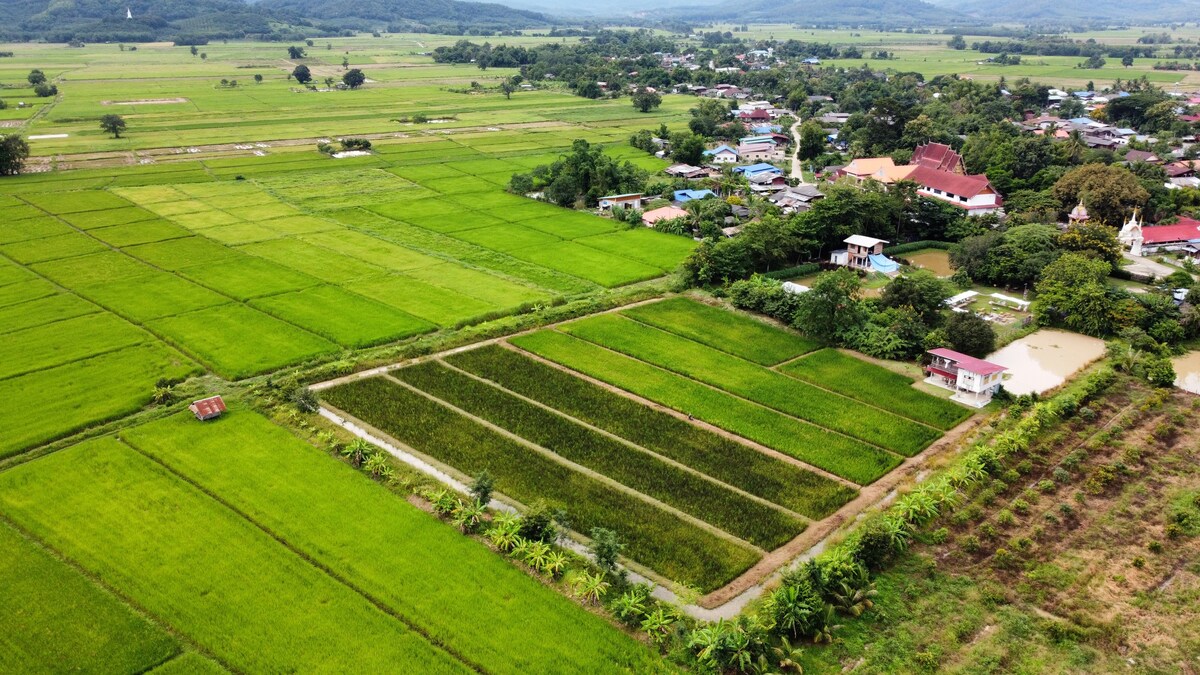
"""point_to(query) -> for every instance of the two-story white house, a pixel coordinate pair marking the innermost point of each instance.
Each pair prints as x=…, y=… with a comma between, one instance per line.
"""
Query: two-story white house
x=972, y=380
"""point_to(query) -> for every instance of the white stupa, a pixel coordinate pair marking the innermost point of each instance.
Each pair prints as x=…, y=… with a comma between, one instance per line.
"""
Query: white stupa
x=1131, y=234
x=128, y=13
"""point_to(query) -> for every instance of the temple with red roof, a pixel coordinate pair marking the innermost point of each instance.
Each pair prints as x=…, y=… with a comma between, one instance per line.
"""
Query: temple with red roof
x=972, y=380
x=939, y=157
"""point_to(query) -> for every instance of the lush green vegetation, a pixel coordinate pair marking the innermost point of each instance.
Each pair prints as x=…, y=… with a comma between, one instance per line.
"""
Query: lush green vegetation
x=656, y=538
x=707, y=500
x=56, y=620
x=831, y=369
x=754, y=382
x=838, y=454
x=480, y=607
x=724, y=459
x=729, y=332
x=201, y=567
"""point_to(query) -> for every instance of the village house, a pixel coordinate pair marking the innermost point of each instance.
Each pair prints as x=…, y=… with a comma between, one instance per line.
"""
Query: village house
x=972, y=193
x=1142, y=156
x=766, y=182
x=629, y=201
x=972, y=380
x=685, y=196
x=722, y=154
x=685, y=171
x=755, y=169
x=651, y=217
x=859, y=253
x=759, y=152
x=795, y=199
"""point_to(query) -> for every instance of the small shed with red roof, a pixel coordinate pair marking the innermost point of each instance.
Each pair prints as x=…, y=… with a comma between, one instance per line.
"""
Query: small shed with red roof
x=208, y=408
x=972, y=380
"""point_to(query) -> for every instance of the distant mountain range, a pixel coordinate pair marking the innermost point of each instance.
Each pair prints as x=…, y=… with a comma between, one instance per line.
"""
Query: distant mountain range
x=1077, y=11
x=108, y=20
x=824, y=12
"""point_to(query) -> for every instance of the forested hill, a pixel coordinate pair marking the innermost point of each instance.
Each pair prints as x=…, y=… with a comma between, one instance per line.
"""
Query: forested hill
x=107, y=20
x=1078, y=11
x=379, y=13
x=831, y=12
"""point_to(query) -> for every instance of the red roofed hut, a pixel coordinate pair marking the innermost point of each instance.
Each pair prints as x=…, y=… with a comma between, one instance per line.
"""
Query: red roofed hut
x=972, y=380
x=208, y=408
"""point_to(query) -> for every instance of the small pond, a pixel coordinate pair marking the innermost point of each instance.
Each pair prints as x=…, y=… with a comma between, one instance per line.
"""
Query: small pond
x=1187, y=372
x=1045, y=359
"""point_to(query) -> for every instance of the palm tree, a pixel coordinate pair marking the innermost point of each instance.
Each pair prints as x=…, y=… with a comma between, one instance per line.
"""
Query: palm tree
x=1074, y=146
x=792, y=611
x=824, y=632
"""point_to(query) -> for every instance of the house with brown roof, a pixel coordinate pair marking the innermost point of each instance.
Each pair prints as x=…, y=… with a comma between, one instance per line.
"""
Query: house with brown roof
x=1142, y=156
x=652, y=216
x=881, y=169
x=939, y=157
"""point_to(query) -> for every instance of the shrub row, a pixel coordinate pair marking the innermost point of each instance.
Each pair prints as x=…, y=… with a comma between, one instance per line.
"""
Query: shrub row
x=711, y=502
x=880, y=387
x=727, y=331
x=843, y=456
x=724, y=459
x=657, y=539
x=761, y=385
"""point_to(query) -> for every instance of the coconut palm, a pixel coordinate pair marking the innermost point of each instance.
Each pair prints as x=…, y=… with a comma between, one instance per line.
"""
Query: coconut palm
x=788, y=656
x=854, y=601
x=824, y=631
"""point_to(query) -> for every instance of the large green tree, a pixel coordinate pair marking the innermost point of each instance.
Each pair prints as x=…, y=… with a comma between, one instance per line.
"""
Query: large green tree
x=832, y=310
x=1109, y=192
x=812, y=140
x=1073, y=293
x=921, y=291
x=13, y=153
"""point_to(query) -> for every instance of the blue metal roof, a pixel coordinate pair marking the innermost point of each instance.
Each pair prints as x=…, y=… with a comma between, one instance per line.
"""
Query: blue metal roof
x=689, y=195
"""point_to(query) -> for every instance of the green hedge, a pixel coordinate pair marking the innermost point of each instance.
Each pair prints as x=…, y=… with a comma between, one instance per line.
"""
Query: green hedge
x=793, y=272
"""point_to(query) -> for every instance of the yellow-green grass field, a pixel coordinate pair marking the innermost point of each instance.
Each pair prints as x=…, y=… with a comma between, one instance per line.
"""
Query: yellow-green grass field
x=264, y=554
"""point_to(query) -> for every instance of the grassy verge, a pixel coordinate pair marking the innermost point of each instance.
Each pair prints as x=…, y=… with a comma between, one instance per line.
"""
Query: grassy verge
x=880, y=387
x=724, y=330
x=457, y=591
x=711, y=502
x=740, y=377
x=842, y=456
x=202, y=568
x=726, y=460
x=657, y=539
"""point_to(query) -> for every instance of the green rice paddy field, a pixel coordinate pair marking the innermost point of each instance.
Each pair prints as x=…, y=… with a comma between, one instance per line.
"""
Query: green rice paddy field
x=238, y=541
x=694, y=506
x=154, y=259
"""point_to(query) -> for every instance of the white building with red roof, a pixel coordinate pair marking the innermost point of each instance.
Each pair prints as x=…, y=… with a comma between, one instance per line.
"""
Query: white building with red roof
x=972, y=380
x=974, y=194
x=1144, y=239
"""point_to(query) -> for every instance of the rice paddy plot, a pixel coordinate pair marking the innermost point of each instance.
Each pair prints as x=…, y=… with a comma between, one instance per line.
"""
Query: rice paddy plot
x=659, y=250
x=755, y=383
x=31, y=228
x=237, y=341
x=838, y=454
x=249, y=277
x=482, y=607
x=602, y=268
x=61, y=400
x=203, y=569
x=144, y=232
x=346, y=318
x=51, y=248
x=507, y=238
x=677, y=549
x=93, y=219
x=437, y=305
x=65, y=341
x=55, y=620
x=75, y=202
x=722, y=329
x=42, y=311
